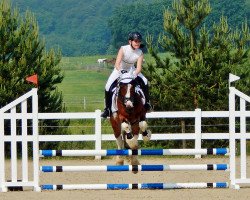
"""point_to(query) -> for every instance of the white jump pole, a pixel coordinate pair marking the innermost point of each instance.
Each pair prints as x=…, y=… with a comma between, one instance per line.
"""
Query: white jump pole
x=128, y=152
x=119, y=168
x=134, y=186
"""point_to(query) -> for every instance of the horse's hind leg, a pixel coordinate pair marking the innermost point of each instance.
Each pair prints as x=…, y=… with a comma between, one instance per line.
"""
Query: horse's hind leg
x=120, y=144
x=146, y=134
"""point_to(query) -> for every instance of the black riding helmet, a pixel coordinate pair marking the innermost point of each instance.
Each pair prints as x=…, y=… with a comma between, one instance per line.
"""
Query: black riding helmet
x=134, y=36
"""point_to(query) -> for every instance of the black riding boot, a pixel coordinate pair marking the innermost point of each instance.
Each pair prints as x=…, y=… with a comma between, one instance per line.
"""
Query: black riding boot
x=108, y=100
x=147, y=105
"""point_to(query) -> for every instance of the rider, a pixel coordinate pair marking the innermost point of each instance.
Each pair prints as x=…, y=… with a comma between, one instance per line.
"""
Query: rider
x=126, y=58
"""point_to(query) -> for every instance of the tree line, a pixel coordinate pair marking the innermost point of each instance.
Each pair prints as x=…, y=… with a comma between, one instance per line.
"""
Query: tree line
x=100, y=27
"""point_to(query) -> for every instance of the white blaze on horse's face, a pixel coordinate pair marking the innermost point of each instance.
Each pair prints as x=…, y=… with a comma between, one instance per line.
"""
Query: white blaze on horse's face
x=128, y=103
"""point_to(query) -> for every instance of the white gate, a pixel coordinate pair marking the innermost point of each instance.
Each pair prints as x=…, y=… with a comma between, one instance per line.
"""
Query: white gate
x=13, y=116
x=242, y=135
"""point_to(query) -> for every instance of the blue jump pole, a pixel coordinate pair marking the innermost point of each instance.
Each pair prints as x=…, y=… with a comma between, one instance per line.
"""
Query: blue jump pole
x=128, y=152
x=119, y=168
x=134, y=186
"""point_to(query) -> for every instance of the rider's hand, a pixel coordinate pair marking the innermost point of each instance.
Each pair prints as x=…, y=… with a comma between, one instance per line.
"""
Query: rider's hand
x=122, y=71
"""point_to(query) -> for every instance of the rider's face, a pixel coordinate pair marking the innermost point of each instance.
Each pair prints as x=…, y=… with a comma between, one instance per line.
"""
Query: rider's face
x=135, y=43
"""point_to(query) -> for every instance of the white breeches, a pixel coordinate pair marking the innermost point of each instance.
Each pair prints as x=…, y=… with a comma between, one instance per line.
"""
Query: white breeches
x=115, y=74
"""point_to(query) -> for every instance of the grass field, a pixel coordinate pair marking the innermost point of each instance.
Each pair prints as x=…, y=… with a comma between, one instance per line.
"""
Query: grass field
x=83, y=83
x=85, y=80
x=83, y=90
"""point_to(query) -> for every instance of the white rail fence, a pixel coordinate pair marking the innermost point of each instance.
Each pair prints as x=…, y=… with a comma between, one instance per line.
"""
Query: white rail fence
x=20, y=110
x=82, y=102
x=98, y=137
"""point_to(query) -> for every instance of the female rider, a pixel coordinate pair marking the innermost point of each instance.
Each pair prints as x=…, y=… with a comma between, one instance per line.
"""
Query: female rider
x=126, y=58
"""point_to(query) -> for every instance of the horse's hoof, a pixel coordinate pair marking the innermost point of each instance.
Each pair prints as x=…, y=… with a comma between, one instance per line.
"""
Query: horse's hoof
x=146, y=136
x=132, y=143
x=134, y=161
x=119, y=161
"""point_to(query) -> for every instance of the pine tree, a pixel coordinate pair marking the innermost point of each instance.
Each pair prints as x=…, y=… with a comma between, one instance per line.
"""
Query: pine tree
x=196, y=73
x=23, y=53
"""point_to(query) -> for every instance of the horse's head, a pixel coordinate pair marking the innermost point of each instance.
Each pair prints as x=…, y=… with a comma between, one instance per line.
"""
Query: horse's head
x=126, y=94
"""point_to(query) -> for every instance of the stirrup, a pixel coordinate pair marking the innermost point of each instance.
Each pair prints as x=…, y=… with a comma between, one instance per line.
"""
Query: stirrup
x=106, y=113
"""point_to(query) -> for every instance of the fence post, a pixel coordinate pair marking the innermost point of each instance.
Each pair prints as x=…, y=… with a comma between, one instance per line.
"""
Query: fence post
x=198, y=130
x=232, y=135
x=243, y=143
x=183, y=130
x=2, y=155
x=98, y=132
x=35, y=140
x=84, y=103
x=24, y=128
x=13, y=144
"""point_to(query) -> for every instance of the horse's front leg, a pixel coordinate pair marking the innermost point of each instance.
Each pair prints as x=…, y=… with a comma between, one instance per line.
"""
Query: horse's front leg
x=131, y=139
x=134, y=158
x=146, y=134
x=119, y=140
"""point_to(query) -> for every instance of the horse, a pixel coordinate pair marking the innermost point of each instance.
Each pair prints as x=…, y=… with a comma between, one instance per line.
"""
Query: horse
x=130, y=118
x=101, y=61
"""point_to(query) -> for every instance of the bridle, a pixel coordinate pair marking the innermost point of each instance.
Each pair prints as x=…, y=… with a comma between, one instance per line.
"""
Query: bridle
x=123, y=98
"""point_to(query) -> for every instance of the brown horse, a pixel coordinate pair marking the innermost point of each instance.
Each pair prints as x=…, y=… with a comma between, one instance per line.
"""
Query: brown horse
x=129, y=120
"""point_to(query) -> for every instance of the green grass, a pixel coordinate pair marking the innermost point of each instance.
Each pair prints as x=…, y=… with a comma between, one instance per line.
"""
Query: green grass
x=85, y=80
x=83, y=84
x=82, y=62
